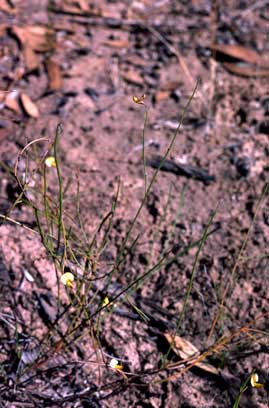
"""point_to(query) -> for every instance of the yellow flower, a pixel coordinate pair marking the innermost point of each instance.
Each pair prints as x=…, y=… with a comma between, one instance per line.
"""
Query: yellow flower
x=105, y=302
x=115, y=364
x=67, y=279
x=254, y=381
x=50, y=161
x=139, y=100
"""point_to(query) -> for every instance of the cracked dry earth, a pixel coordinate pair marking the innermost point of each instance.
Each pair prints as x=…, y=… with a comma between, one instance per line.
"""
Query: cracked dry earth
x=79, y=63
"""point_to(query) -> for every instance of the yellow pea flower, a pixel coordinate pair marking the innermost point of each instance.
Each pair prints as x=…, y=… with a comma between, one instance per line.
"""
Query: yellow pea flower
x=50, y=161
x=139, y=100
x=115, y=364
x=105, y=301
x=254, y=381
x=67, y=279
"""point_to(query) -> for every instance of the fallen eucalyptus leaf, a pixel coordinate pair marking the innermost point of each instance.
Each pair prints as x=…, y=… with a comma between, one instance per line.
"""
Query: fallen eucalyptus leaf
x=116, y=43
x=246, y=70
x=32, y=60
x=6, y=8
x=83, y=5
x=55, y=75
x=29, y=106
x=11, y=101
x=187, y=351
x=133, y=77
x=237, y=52
x=39, y=38
x=162, y=95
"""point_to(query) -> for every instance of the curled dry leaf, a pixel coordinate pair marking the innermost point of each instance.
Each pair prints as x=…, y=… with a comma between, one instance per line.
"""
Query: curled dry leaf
x=55, y=75
x=187, y=351
x=171, y=86
x=136, y=61
x=80, y=7
x=11, y=101
x=133, y=77
x=249, y=64
x=34, y=39
x=29, y=106
x=246, y=70
x=38, y=38
x=41, y=38
x=18, y=73
x=237, y=52
x=6, y=8
x=32, y=60
x=117, y=43
x=83, y=5
x=162, y=95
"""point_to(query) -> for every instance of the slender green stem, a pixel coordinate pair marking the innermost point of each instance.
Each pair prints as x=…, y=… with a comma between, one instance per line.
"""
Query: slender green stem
x=162, y=262
x=156, y=172
x=243, y=388
x=60, y=185
x=143, y=148
x=194, y=267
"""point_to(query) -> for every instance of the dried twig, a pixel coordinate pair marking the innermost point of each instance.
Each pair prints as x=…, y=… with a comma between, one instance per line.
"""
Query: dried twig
x=174, y=51
x=112, y=22
x=254, y=6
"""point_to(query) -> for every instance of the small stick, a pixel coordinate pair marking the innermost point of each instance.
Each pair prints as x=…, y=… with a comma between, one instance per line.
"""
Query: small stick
x=174, y=51
x=258, y=4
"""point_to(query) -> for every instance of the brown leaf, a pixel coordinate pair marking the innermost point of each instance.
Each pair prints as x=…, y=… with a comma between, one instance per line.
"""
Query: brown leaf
x=133, y=77
x=78, y=10
x=162, y=95
x=187, y=351
x=39, y=38
x=20, y=33
x=32, y=60
x=6, y=8
x=183, y=348
x=238, y=52
x=70, y=9
x=29, y=106
x=246, y=70
x=117, y=43
x=55, y=75
x=171, y=85
x=136, y=60
x=18, y=73
x=83, y=5
x=11, y=102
